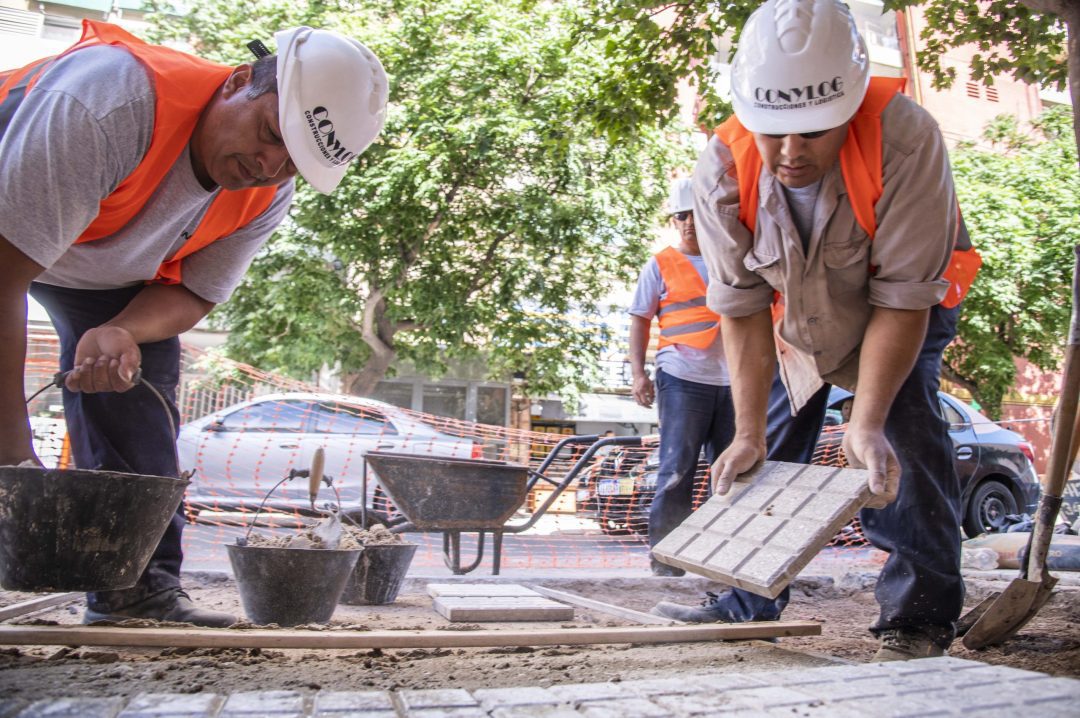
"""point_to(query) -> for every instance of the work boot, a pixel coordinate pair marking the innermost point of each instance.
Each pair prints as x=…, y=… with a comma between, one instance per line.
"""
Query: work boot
x=173, y=605
x=662, y=569
x=903, y=644
x=709, y=611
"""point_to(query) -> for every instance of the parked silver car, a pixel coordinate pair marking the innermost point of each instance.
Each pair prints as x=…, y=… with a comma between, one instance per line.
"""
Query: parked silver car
x=239, y=453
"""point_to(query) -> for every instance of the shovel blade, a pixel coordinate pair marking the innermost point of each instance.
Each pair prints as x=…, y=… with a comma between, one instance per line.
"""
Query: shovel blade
x=1007, y=613
x=972, y=617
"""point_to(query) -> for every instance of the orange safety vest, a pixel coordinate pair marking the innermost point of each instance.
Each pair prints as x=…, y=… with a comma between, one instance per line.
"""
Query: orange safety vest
x=183, y=86
x=684, y=318
x=860, y=165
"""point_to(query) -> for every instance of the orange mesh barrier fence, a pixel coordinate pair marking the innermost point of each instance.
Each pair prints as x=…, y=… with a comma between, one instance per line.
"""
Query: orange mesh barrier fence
x=245, y=431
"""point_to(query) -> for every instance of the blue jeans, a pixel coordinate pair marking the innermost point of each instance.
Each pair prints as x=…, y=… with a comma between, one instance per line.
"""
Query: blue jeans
x=692, y=416
x=920, y=585
x=126, y=432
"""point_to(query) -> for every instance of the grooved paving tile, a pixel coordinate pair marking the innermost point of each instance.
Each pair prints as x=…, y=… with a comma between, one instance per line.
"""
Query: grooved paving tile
x=264, y=703
x=926, y=687
x=73, y=708
x=479, y=589
x=692, y=685
x=350, y=704
x=453, y=712
x=579, y=692
x=492, y=698
x=172, y=705
x=535, y=712
x=437, y=698
x=624, y=708
x=9, y=708
x=495, y=602
x=768, y=527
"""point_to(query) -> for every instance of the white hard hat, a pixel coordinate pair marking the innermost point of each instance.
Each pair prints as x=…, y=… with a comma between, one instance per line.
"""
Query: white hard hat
x=682, y=196
x=332, y=94
x=801, y=66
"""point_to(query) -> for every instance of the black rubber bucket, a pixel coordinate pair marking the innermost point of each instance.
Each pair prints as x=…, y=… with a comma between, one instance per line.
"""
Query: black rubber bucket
x=76, y=530
x=290, y=586
x=379, y=574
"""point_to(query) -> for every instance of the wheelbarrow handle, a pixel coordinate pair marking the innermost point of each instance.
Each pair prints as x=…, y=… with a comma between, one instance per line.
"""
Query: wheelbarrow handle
x=594, y=439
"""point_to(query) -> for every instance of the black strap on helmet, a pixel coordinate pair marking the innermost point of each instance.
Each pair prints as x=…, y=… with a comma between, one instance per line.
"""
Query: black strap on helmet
x=258, y=49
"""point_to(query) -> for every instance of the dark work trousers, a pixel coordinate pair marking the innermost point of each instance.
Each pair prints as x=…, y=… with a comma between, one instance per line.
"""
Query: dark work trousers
x=920, y=585
x=692, y=416
x=126, y=432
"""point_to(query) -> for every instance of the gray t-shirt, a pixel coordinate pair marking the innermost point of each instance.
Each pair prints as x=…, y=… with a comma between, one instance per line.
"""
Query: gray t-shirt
x=71, y=142
x=801, y=201
x=705, y=366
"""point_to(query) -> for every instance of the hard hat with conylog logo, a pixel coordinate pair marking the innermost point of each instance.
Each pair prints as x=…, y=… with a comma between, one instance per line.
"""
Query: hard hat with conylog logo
x=801, y=66
x=332, y=94
x=682, y=196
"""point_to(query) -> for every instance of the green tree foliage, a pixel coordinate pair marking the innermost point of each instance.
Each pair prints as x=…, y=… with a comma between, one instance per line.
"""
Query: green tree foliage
x=1020, y=205
x=1021, y=202
x=651, y=45
x=485, y=221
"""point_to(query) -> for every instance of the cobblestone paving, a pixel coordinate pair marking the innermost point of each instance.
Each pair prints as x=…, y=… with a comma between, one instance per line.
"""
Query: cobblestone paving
x=928, y=687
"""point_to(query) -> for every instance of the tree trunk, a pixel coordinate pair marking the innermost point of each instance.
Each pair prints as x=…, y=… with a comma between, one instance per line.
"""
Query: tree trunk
x=378, y=333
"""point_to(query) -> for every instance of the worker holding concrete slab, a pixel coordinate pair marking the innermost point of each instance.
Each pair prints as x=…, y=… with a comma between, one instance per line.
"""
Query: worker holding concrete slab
x=139, y=182
x=691, y=388
x=828, y=220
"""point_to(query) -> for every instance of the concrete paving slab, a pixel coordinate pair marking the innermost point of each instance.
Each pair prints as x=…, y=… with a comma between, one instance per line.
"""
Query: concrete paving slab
x=479, y=602
x=769, y=527
x=928, y=687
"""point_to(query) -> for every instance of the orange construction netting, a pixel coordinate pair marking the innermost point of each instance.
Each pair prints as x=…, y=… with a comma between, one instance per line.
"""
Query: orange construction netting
x=243, y=431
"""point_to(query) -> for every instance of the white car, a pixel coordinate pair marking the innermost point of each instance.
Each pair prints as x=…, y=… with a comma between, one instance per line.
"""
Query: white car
x=239, y=453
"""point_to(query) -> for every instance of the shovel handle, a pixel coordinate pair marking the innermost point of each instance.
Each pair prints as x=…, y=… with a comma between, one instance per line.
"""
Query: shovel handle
x=1062, y=451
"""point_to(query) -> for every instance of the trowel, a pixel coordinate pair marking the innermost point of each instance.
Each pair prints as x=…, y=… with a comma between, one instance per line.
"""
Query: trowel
x=327, y=529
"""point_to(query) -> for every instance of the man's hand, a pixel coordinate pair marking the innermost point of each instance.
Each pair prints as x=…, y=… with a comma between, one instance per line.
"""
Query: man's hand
x=644, y=391
x=106, y=359
x=870, y=450
x=740, y=456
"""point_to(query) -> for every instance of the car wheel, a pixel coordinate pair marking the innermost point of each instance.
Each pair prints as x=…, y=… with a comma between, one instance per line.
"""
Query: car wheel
x=990, y=503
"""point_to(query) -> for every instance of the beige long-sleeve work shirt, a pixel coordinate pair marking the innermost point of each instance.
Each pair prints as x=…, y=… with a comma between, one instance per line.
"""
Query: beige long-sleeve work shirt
x=829, y=291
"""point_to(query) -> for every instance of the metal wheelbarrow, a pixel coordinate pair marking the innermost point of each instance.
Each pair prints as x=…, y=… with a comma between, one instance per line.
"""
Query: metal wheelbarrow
x=436, y=493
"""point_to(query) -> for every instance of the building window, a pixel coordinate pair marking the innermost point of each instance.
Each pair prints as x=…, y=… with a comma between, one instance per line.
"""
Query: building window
x=491, y=404
x=442, y=400
x=973, y=90
x=398, y=393
x=991, y=94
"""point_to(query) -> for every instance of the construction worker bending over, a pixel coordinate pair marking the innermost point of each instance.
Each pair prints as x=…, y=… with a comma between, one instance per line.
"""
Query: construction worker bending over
x=138, y=184
x=691, y=389
x=829, y=193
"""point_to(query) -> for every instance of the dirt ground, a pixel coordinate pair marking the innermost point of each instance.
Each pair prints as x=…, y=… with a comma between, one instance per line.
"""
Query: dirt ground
x=845, y=607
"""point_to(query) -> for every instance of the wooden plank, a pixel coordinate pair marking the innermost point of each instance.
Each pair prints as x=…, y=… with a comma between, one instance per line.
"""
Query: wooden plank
x=502, y=608
x=291, y=638
x=626, y=613
x=36, y=604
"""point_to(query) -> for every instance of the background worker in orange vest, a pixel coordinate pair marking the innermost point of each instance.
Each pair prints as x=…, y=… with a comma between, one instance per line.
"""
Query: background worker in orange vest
x=834, y=191
x=691, y=385
x=138, y=184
